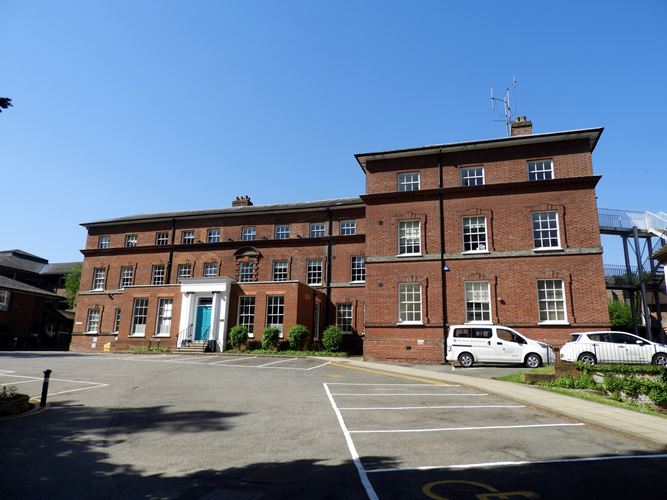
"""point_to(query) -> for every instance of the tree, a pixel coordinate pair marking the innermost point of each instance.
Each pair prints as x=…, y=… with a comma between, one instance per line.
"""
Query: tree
x=5, y=102
x=72, y=282
x=620, y=314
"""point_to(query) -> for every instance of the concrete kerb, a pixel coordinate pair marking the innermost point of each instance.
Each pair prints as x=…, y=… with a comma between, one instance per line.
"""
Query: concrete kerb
x=649, y=429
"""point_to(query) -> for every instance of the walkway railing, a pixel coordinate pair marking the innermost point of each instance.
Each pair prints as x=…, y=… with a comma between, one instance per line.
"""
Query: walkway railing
x=625, y=220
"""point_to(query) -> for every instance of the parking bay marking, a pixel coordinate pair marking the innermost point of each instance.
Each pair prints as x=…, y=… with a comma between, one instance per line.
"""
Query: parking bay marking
x=518, y=463
x=276, y=362
x=451, y=429
x=411, y=394
x=93, y=385
x=396, y=385
x=432, y=407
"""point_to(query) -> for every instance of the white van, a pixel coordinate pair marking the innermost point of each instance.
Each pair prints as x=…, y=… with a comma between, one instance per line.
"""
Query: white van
x=469, y=344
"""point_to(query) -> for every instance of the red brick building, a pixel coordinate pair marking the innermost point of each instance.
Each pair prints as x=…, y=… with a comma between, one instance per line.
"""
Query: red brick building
x=496, y=231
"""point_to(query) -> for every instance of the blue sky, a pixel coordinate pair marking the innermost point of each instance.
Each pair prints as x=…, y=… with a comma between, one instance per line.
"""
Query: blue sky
x=124, y=107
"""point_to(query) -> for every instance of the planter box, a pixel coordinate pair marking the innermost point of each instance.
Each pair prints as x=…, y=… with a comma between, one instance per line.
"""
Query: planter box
x=18, y=404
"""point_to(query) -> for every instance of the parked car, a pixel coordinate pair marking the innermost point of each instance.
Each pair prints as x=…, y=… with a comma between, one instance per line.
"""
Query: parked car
x=469, y=344
x=612, y=347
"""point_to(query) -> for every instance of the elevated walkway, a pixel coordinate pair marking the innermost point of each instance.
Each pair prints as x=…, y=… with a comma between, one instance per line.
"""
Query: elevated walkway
x=623, y=222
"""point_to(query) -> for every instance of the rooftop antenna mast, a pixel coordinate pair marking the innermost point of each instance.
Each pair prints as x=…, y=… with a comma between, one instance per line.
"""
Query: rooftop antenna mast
x=507, y=105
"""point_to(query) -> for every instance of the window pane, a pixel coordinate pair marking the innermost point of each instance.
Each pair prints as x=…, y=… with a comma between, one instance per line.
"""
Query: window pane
x=164, y=317
x=317, y=230
x=103, y=242
x=249, y=233
x=540, y=170
x=93, y=323
x=210, y=269
x=158, y=275
x=478, y=301
x=545, y=230
x=184, y=271
x=139, y=314
x=408, y=181
x=275, y=306
x=126, y=276
x=344, y=317
x=314, y=272
x=280, y=270
x=213, y=236
x=282, y=232
x=348, y=227
x=359, y=268
x=409, y=237
x=99, y=276
x=409, y=303
x=188, y=237
x=246, y=315
x=551, y=300
x=246, y=272
x=474, y=234
x=473, y=176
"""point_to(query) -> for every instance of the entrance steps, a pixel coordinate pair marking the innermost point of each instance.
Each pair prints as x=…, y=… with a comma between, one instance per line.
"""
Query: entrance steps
x=194, y=346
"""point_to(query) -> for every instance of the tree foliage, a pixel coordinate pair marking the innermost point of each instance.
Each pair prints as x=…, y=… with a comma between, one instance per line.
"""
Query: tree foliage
x=72, y=283
x=5, y=102
x=297, y=336
x=332, y=338
x=620, y=314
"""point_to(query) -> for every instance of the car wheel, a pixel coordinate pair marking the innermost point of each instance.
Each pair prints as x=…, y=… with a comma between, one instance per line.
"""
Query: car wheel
x=533, y=361
x=588, y=358
x=660, y=359
x=466, y=360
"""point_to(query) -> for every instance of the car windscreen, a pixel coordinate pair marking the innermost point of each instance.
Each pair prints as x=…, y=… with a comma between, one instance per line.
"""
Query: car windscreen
x=574, y=337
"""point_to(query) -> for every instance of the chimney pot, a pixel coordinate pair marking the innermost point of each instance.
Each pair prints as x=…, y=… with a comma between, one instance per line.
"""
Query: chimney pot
x=522, y=126
x=242, y=201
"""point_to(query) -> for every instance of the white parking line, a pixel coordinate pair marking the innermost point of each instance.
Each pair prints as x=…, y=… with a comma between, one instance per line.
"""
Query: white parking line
x=448, y=429
x=522, y=462
x=317, y=366
x=275, y=362
x=75, y=390
x=411, y=394
x=397, y=385
x=17, y=383
x=432, y=407
x=231, y=360
x=56, y=379
x=363, y=477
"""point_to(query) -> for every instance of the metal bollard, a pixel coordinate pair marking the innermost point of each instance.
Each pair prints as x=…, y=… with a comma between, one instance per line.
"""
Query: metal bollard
x=45, y=388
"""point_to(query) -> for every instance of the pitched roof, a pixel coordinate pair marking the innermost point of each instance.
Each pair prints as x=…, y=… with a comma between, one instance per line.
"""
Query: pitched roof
x=59, y=268
x=245, y=210
x=16, y=286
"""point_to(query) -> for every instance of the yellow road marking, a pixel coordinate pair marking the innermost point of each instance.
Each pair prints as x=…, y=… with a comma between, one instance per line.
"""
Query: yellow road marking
x=492, y=493
x=389, y=374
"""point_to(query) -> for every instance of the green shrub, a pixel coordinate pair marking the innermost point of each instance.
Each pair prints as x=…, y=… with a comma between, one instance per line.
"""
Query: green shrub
x=238, y=336
x=332, y=338
x=297, y=335
x=270, y=337
x=620, y=314
x=8, y=393
x=580, y=381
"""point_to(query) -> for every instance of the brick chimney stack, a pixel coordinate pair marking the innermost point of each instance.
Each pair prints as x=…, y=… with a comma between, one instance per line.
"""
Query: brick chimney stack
x=521, y=126
x=242, y=201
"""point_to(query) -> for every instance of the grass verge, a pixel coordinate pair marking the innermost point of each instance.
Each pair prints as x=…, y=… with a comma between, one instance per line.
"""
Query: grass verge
x=588, y=395
x=288, y=353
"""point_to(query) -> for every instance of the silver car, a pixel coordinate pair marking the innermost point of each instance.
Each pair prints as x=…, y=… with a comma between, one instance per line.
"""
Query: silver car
x=612, y=347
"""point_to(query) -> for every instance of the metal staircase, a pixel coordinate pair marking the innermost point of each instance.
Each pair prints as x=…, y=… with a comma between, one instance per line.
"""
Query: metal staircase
x=642, y=233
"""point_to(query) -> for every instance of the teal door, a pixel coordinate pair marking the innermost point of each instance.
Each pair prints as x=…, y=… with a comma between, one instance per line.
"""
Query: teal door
x=203, y=323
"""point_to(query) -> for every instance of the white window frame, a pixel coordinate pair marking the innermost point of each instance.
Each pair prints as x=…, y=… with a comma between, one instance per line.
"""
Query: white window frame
x=181, y=268
x=246, y=313
x=4, y=300
x=551, y=305
x=537, y=233
x=93, y=320
x=345, y=317
x=158, y=275
x=248, y=233
x=161, y=238
x=476, y=238
x=348, y=227
x=408, y=181
x=99, y=278
x=470, y=176
x=278, y=268
x=131, y=240
x=406, y=241
x=103, y=242
x=187, y=237
x=541, y=170
x=213, y=235
x=139, y=317
x=314, y=271
x=116, y=320
x=358, y=269
x=246, y=272
x=126, y=277
x=410, y=304
x=281, y=232
x=317, y=230
x=275, y=308
x=165, y=310
x=208, y=266
x=478, y=294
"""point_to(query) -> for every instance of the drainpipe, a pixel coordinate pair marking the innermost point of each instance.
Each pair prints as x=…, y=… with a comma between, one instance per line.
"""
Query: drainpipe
x=328, y=271
x=171, y=250
x=443, y=272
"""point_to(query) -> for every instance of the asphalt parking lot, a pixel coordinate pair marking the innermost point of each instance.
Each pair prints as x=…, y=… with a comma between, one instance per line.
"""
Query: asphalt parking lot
x=169, y=426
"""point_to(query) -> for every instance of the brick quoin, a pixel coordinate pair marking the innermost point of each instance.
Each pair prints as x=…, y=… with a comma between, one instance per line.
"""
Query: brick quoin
x=509, y=263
